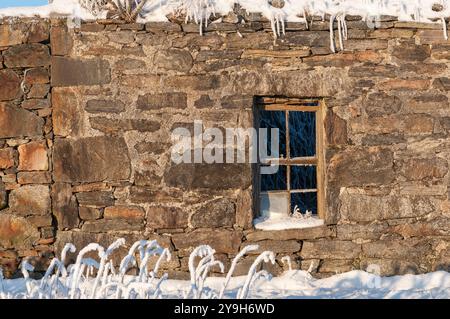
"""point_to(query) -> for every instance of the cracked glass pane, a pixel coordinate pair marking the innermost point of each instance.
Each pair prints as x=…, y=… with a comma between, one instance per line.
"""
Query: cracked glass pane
x=274, y=119
x=304, y=202
x=303, y=177
x=274, y=182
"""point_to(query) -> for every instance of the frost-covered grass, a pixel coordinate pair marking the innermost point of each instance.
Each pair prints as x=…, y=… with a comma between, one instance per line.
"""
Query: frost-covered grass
x=99, y=278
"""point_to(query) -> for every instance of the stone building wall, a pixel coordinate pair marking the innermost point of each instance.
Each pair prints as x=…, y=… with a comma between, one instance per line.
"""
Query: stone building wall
x=86, y=117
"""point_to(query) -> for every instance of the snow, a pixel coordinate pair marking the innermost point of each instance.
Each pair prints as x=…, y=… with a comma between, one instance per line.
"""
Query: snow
x=300, y=284
x=287, y=222
x=293, y=10
x=77, y=281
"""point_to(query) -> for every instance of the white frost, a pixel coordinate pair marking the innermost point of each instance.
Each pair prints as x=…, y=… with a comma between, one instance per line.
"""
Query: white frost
x=287, y=222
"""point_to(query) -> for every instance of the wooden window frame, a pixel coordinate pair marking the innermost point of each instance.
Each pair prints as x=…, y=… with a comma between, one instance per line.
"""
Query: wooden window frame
x=297, y=104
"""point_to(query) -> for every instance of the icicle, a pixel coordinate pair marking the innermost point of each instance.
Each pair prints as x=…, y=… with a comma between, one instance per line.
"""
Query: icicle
x=444, y=26
x=332, y=47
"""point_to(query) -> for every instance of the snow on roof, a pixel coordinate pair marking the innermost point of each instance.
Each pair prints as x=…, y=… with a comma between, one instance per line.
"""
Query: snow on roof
x=277, y=11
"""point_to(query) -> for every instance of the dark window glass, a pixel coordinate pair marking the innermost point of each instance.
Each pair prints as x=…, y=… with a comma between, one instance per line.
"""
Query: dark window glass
x=274, y=119
x=303, y=177
x=304, y=201
x=274, y=182
x=302, y=134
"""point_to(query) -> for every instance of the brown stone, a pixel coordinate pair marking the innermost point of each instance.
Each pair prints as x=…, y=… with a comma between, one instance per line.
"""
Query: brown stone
x=217, y=213
x=60, y=40
x=125, y=212
x=30, y=200
x=105, y=106
x=104, y=159
x=16, y=232
x=12, y=34
x=144, y=195
x=244, y=209
x=164, y=217
x=210, y=176
x=130, y=64
x=428, y=103
x=277, y=246
x=103, y=225
x=39, y=32
x=335, y=249
x=204, y=102
x=434, y=227
x=336, y=129
x=373, y=165
x=357, y=205
x=64, y=206
x=409, y=249
x=33, y=157
x=400, y=84
x=223, y=241
x=10, y=88
x=66, y=114
x=3, y=195
x=91, y=187
x=442, y=84
x=378, y=104
x=146, y=178
x=173, y=60
x=37, y=76
x=91, y=27
x=162, y=100
x=293, y=234
x=27, y=55
x=24, y=178
x=114, y=126
x=38, y=91
x=152, y=147
x=162, y=27
x=34, y=104
x=358, y=231
x=410, y=52
x=40, y=221
x=73, y=72
x=424, y=168
x=89, y=213
x=6, y=158
x=15, y=122
x=237, y=102
x=96, y=199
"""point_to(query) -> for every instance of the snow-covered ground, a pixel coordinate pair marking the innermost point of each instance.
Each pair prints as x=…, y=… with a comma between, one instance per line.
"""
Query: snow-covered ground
x=300, y=284
x=99, y=278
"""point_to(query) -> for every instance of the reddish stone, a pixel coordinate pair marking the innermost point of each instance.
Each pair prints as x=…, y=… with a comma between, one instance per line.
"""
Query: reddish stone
x=6, y=158
x=126, y=212
x=33, y=157
x=27, y=55
x=10, y=88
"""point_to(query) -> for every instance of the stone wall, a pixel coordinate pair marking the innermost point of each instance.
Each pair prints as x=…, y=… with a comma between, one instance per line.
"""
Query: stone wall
x=90, y=161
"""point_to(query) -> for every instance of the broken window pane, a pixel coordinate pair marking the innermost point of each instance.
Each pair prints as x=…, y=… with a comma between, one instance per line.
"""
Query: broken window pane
x=302, y=134
x=274, y=119
x=304, y=201
x=276, y=181
x=303, y=177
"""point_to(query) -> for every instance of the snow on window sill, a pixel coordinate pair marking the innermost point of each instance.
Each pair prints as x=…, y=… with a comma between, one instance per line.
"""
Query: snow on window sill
x=288, y=222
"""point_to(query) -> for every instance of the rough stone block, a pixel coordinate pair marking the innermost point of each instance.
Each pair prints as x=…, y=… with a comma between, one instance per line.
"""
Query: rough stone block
x=91, y=159
x=74, y=72
x=30, y=200
x=217, y=213
x=64, y=206
x=164, y=217
x=162, y=100
x=16, y=232
x=27, y=55
x=10, y=88
x=6, y=158
x=33, y=157
x=16, y=122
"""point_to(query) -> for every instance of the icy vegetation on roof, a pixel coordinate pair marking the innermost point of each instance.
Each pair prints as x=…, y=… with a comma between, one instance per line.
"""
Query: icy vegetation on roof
x=277, y=11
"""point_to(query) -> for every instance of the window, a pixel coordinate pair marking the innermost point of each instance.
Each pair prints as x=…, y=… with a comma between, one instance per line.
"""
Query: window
x=297, y=184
